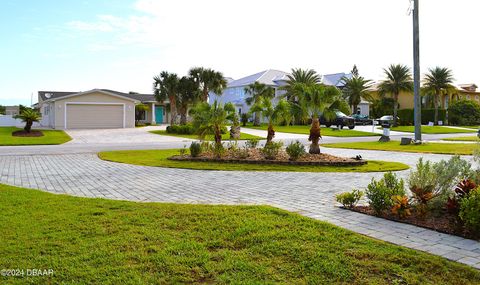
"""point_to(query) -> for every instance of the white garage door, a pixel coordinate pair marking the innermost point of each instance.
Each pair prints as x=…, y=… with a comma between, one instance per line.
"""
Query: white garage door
x=94, y=116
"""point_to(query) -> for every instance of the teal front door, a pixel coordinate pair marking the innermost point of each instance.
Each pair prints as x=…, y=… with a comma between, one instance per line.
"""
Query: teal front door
x=158, y=114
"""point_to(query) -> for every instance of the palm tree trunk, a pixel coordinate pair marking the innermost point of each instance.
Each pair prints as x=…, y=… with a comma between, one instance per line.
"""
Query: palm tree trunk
x=218, y=136
x=435, y=102
x=270, y=133
x=315, y=136
x=205, y=94
x=28, y=126
x=173, y=110
x=355, y=107
x=395, y=109
x=256, y=120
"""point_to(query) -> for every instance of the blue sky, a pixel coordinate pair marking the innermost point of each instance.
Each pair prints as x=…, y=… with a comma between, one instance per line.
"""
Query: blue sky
x=80, y=45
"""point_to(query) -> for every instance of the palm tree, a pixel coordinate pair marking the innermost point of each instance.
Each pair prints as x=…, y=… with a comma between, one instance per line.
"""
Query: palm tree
x=356, y=89
x=398, y=79
x=305, y=76
x=208, y=80
x=187, y=96
x=165, y=86
x=273, y=114
x=211, y=119
x=257, y=91
x=28, y=116
x=315, y=101
x=438, y=81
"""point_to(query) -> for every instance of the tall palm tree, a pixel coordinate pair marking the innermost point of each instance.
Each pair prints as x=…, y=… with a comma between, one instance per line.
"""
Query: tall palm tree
x=315, y=101
x=188, y=95
x=257, y=91
x=356, y=89
x=272, y=114
x=398, y=79
x=305, y=76
x=208, y=80
x=211, y=119
x=438, y=81
x=165, y=85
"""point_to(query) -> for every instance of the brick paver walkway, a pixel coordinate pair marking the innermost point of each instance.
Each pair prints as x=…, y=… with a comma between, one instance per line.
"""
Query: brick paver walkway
x=310, y=194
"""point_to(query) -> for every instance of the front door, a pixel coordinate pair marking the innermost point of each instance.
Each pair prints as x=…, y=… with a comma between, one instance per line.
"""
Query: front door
x=158, y=114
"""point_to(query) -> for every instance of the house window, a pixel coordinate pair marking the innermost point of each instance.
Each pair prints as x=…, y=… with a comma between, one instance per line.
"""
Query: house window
x=46, y=110
x=476, y=97
x=468, y=97
x=142, y=115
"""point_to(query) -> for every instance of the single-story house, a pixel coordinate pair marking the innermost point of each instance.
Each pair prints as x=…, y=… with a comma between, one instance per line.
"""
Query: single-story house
x=12, y=110
x=97, y=109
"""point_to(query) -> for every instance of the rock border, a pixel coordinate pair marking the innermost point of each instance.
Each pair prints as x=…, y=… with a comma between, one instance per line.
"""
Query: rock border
x=270, y=162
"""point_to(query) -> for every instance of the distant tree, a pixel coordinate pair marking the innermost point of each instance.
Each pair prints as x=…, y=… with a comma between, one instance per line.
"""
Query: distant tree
x=273, y=114
x=438, y=81
x=140, y=109
x=356, y=89
x=188, y=95
x=28, y=116
x=2, y=110
x=257, y=91
x=398, y=79
x=315, y=101
x=165, y=86
x=208, y=80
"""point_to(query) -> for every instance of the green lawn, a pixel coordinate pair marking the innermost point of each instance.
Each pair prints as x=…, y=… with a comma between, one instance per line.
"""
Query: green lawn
x=305, y=130
x=98, y=241
x=159, y=158
x=225, y=137
x=471, y=127
x=470, y=138
x=430, y=130
x=50, y=137
x=440, y=148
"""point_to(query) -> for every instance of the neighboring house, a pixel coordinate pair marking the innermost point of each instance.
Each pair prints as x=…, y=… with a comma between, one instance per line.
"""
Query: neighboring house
x=235, y=91
x=96, y=109
x=464, y=91
x=12, y=110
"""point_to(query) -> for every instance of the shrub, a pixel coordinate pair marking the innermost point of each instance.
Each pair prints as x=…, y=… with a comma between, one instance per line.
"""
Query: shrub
x=207, y=146
x=183, y=151
x=218, y=150
x=244, y=119
x=195, y=149
x=464, y=112
x=181, y=129
x=462, y=190
x=380, y=193
x=470, y=211
x=271, y=149
x=401, y=207
x=295, y=150
x=349, y=199
x=428, y=115
x=252, y=143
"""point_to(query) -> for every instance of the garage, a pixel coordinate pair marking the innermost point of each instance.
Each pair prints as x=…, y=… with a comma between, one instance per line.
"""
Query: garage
x=95, y=116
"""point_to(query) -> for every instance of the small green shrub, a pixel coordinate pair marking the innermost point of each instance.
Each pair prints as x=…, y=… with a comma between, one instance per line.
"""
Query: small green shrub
x=218, y=150
x=470, y=211
x=252, y=143
x=464, y=113
x=242, y=153
x=271, y=149
x=207, y=146
x=195, y=149
x=349, y=199
x=295, y=150
x=183, y=151
x=380, y=193
x=181, y=129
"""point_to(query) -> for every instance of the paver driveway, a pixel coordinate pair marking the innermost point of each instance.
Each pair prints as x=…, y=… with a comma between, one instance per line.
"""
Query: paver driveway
x=311, y=194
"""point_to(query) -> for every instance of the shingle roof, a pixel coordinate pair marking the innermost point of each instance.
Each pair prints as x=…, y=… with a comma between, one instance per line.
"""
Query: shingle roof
x=46, y=95
x=268, y=77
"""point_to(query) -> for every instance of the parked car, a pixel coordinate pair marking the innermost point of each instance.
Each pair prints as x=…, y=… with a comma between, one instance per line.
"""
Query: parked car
x=362, y=119
x=341, y=120
x=386, y=121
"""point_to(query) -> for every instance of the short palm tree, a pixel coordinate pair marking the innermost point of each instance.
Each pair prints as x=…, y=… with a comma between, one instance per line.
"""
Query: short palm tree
x=356, y=88
x=29, y=116
x=398, y=79
x=315, y=101
x=188, y=95
x=212, y=119
x=265, y=107
x=257, y=91
x=438, y=81
x=165, y=85
x=208, y=80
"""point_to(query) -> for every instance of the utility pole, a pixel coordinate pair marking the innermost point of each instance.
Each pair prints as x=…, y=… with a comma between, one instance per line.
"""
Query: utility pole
x=416, y=74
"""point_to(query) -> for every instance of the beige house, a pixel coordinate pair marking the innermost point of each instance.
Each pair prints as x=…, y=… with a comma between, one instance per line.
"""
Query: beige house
x=96, y=109
x=12, y=110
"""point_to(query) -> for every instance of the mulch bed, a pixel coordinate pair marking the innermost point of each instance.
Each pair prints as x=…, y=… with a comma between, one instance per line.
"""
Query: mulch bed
x=23, y=133
x=256, y=157
x=443, y=222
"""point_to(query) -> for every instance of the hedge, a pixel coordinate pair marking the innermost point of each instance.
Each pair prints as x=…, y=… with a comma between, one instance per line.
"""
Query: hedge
x=428, y=115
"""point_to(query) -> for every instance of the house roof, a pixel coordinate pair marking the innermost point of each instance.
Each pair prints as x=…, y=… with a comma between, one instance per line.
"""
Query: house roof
x=53, y=95
x=335, y=79
x=268, y=77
